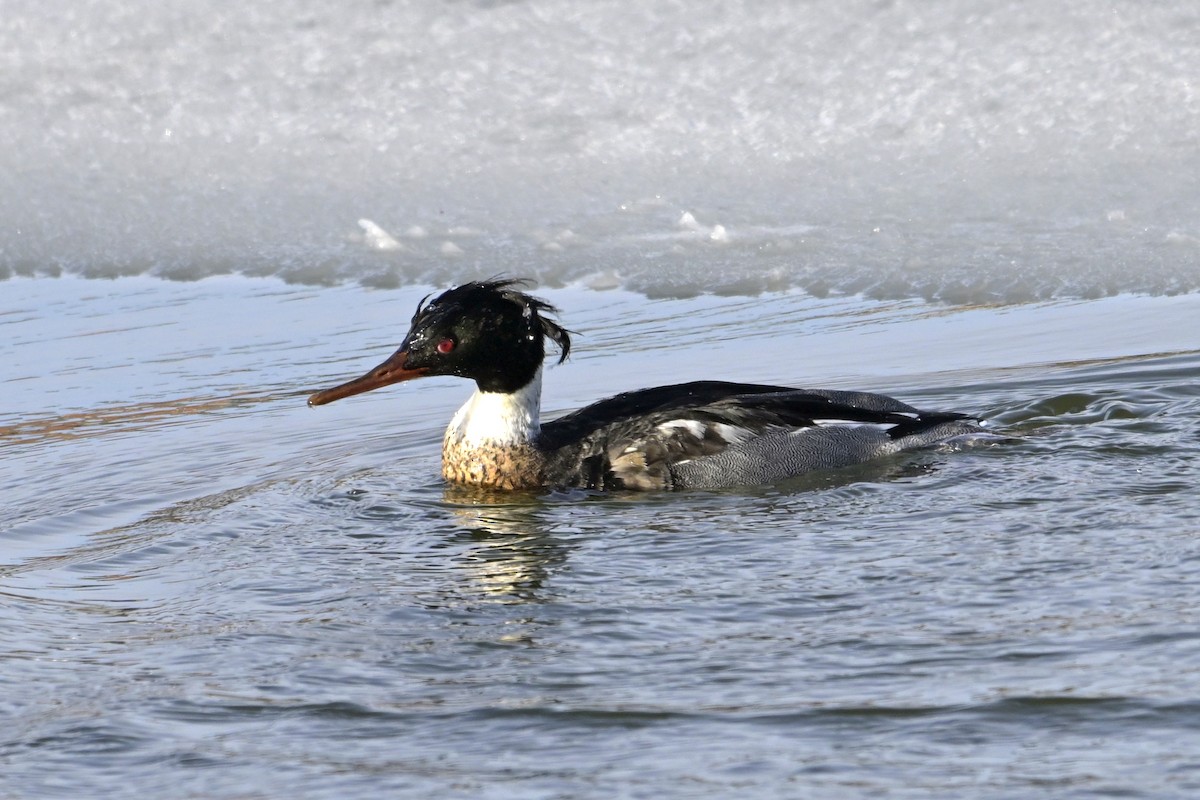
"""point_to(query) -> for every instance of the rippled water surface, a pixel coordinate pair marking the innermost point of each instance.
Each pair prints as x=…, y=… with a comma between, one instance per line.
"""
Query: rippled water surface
x=210, y=590
x=208, y=210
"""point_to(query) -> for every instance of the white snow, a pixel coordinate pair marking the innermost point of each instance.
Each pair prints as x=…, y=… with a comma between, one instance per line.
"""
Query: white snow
x=967, y=150
x=377, y=237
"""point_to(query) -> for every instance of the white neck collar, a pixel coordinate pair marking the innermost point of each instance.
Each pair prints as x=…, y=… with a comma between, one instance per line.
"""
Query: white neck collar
x=500, y=418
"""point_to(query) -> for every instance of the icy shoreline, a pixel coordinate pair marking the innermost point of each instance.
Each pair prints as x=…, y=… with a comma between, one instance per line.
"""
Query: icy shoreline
x=968, y=152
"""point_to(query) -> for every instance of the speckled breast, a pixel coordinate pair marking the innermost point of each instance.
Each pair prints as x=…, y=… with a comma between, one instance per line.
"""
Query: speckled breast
x=495, y=466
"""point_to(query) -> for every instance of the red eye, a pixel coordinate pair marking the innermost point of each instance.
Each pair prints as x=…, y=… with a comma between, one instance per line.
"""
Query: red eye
x=445, y=346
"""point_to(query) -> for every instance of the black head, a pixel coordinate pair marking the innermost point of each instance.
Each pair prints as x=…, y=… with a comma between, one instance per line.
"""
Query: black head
x=487, y=331
x=484, y=330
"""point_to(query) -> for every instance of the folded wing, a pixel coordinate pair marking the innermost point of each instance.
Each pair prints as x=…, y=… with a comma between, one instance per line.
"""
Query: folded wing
x=710, y=434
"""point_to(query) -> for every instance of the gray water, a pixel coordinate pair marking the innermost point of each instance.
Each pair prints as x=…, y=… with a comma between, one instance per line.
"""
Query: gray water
x=208, y=210
x=210, y=590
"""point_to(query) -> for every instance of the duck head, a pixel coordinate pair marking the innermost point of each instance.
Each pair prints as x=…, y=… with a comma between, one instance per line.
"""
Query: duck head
x=487, y=331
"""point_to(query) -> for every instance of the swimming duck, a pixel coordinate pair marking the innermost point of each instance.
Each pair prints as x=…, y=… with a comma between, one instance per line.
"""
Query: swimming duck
x=699, y=435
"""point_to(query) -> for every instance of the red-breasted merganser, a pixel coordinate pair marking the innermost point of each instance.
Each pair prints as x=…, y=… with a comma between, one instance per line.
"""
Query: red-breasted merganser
x=704, y=435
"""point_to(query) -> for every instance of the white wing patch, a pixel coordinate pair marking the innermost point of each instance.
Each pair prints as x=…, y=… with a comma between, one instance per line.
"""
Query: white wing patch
x=692, y=426
x=844, y=423
x=733, y=434
x=730, y=434
x=834, y=423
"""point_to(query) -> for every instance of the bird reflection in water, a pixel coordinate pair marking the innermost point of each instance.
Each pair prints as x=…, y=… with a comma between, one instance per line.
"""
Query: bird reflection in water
x=511, y=551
